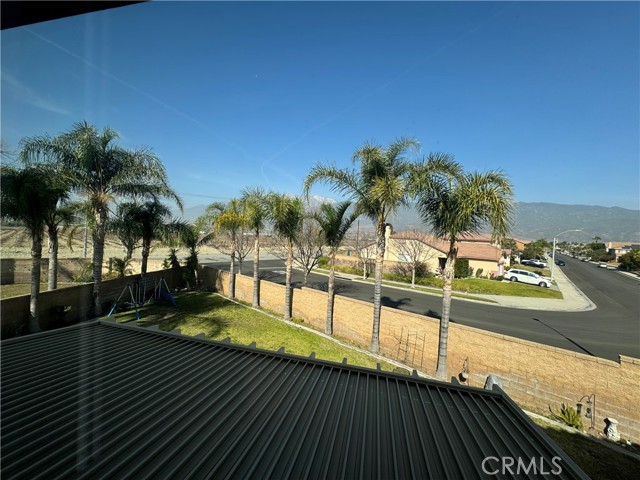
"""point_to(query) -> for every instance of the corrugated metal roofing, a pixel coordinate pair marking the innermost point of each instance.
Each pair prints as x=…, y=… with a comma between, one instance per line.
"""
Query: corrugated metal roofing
x=102, y=400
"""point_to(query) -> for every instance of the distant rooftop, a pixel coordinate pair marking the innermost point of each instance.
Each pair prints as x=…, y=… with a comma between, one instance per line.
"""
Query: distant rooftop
x=104, y=400
x=475, y=247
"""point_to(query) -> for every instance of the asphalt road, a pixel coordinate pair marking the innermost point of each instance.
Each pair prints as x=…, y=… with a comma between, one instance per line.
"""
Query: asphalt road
x=611, y=329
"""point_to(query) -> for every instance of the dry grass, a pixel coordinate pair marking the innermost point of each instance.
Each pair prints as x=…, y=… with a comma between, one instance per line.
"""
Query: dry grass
x=17, y=289
x=15, y=242
x=597, y=461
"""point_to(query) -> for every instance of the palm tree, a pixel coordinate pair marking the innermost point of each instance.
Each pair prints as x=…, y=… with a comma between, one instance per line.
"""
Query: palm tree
x=59, y=220
x=334, y=224
x=378, y=187
x=124, y=226
x=286, y=214
x=154, y=221
x=189, y=236
x=229, y=218
x=253, y=200
x=121, y=267
x=101, y=172
x=30, y=195
x=457, y=206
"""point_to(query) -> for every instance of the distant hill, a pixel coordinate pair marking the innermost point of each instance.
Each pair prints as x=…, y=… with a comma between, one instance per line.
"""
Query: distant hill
x=534, y=221
x=545, y=220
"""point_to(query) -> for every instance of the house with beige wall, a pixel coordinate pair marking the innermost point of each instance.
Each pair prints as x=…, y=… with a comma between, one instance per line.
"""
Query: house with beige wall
x=620, y=248
x=480, y=250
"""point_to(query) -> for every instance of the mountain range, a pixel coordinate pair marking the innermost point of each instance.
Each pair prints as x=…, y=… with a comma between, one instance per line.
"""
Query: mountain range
x=532, y=221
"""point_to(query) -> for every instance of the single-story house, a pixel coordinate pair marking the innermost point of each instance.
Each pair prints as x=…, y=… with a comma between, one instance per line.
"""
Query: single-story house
x=109, y=400
x=480, y=250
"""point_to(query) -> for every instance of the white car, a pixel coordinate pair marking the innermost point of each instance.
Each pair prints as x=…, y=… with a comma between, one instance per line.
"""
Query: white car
x=515, y=275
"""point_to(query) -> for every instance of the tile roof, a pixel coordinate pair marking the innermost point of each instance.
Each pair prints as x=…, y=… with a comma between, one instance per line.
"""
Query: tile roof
x=471, y=247
x=102, y=400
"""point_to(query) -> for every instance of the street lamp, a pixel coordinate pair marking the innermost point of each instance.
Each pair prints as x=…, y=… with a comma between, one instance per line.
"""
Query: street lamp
x=553, y=252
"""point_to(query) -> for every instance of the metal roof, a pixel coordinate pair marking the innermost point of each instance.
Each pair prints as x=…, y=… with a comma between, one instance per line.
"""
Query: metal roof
x=103, y=400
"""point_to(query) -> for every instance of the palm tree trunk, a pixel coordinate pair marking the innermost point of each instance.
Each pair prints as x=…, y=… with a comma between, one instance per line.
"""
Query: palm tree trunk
x=98, y=236
x=53, y=259
x=256, y=271
x=330, y=295
x=36, y=258
x=380, y=246
x=232, y=276
x=287, y=293
x=441, y=370
x=194, y=256
x=146, y=249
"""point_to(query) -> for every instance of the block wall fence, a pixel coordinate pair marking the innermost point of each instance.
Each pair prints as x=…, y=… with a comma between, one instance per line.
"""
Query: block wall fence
x=14, y=311
x=536, y=376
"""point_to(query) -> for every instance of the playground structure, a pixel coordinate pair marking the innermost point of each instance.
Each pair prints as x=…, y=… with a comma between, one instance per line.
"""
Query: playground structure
x=138, y=294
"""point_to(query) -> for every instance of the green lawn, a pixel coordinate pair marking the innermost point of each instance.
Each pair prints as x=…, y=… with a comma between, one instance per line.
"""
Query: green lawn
x=219, y=318
x=597, y=461
x=544, y=272
x=492, y=287
x=465, y=288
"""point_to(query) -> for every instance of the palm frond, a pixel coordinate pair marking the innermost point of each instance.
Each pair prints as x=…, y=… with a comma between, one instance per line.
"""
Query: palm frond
x=342, y=181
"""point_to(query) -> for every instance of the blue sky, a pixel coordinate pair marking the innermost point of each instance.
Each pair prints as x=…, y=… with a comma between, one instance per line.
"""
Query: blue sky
x=240, y=94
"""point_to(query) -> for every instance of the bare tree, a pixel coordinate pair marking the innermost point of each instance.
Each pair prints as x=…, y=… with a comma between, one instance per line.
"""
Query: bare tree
x=364, y=244
x=308, y=247
x=244, y=245
x=413, y=251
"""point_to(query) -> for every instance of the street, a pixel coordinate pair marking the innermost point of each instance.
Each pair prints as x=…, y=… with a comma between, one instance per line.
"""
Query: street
x=611, y=329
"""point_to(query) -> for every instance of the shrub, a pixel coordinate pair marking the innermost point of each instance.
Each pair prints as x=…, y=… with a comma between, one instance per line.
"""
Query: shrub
x=479, y=273
x=172, y=259
x=630, y=261
x=121, y=267
x=404, y=269
x=607, y=257
x=323, y=262
x=461, y=268
x=569, y=416
x=85, y=275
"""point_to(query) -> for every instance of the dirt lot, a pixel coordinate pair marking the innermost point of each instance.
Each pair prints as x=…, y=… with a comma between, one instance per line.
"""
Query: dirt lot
x=15, y=242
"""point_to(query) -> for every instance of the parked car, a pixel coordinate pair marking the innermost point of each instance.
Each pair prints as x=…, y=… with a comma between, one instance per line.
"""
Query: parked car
x=534, y=263
x=515, y=275
x=603, y=265
x=560, y=263
x=539, y=264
